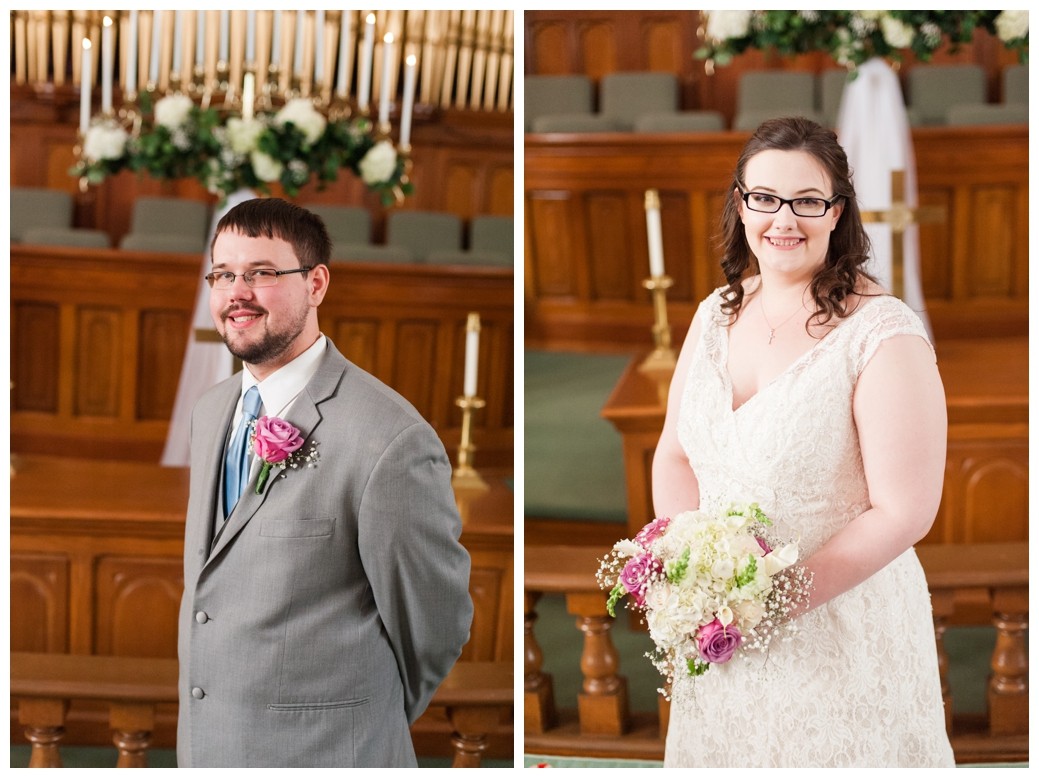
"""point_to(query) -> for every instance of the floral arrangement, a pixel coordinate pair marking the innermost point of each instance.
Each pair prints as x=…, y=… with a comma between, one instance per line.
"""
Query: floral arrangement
x=277, y=444
x=852, y=37
x=710, y=586
x=180, y=139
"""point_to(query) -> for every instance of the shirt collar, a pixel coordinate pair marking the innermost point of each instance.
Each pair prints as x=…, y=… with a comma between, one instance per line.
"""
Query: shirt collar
x=279, y=389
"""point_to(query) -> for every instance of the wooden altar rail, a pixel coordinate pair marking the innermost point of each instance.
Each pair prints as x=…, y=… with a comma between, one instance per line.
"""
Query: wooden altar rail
x=98, y=338
x=586, y=251
x=475, y=695
x=605, y=727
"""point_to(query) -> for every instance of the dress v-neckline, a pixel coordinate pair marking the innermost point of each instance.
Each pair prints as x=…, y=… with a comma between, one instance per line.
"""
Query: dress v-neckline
x=786, y=370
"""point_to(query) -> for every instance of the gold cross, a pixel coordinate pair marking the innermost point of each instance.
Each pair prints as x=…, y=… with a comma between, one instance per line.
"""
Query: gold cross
x=899, y=216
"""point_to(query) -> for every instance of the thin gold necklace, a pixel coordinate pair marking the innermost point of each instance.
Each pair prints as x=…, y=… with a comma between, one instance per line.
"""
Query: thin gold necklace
x=771, y=329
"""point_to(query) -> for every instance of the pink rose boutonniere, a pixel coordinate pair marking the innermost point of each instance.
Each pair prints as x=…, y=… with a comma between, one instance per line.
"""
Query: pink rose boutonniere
x=277, y=443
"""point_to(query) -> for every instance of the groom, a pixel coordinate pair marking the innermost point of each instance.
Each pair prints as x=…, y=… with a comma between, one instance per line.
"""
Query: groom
x=324, y=601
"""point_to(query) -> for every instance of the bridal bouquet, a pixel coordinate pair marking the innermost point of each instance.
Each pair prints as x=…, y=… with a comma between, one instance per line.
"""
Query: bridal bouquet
x=711, y=586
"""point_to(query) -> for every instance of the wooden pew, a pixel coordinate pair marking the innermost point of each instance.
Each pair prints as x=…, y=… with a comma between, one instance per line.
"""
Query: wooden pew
x=98, y=338
x=474, y=696
x=604, y=726
x=586, y=252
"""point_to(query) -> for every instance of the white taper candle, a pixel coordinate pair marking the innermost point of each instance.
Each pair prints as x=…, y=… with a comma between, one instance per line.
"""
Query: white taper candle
x=384, y=91
x=656, y=240
x=84, y=89
x=472, y=350
x=364, y=76
x=409, y=100
x=130, y=86
x=107, y=61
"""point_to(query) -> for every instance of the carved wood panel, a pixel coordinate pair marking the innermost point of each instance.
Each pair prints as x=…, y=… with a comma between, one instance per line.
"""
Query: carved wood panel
x=39, y=602
x=35, y=338
x=137, y=602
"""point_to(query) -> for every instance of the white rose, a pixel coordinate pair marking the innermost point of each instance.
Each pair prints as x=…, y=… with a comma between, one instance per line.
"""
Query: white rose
x=898, y=34
x=172, y=111
x=104, y=141
x=379, y=163
x=1011, y=25
x=727, y=24
x=266, y=167
x=750, y=614
x=243, y=134
x=301, y=112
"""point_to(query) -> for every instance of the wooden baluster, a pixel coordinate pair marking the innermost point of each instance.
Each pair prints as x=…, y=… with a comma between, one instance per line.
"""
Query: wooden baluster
x=539, y=707
x=1008, y=686
x=44, y=722
x=471, y=725
x=942, y=606
x=133, y=724
x=602, y=707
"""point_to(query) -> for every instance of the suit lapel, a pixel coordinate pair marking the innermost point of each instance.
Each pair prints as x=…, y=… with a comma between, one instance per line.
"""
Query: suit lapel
x=305, y=416
x=212, y=464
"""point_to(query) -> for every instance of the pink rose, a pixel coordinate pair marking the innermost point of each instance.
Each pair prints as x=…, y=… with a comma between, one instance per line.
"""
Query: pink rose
x=718, y=643
x=652, y=531
x=638, y=572
x=275, y=439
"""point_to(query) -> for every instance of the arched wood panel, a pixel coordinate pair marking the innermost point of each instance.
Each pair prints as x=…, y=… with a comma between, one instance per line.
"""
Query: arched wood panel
x=137, y=603
x=39, y=602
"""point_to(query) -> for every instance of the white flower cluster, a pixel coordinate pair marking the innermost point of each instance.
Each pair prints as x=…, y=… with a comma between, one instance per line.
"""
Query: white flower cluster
x=379, y=163
x=301, y=112
x=104, y=140
x=1011, y=25
x=727, y=24
x=173, y=111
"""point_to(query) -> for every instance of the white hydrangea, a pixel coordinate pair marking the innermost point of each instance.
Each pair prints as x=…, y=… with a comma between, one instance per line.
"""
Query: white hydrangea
x=1011, y=25
x=243, y=134
x=266, y=167
x=104, y=141
x=301, y=112
x=172, y=111
x=379, y=163
x=727, y=24
x=898, y=34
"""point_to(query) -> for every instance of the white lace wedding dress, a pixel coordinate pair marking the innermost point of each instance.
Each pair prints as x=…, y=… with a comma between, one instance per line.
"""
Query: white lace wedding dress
x=858, y=685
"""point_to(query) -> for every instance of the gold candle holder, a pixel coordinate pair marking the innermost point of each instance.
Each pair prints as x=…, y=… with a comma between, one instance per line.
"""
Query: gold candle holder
x=465, y=475
x=662, y=358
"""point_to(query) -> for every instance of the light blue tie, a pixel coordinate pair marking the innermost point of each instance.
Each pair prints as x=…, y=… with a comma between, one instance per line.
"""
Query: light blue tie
x=236, y=463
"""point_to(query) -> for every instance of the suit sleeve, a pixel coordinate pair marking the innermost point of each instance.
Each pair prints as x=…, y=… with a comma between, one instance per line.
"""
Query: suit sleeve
x=408, y=533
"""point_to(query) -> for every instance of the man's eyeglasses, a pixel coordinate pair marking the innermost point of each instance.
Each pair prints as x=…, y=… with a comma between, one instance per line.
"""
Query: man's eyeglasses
x=224, y=279
x=763, y=202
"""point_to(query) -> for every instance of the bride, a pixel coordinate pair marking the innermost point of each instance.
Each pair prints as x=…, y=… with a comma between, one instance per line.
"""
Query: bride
x=804, y=387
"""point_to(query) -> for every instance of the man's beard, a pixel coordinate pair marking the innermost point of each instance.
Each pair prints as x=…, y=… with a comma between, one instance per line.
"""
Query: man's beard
x=271, y=346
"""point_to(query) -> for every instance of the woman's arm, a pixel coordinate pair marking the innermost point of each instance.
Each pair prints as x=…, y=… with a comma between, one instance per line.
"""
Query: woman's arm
x=899, y=409
x=674, y=484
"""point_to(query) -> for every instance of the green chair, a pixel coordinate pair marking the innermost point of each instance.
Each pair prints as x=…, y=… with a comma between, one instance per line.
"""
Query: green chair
x=556, y=95
x=770, y=94
x=625, y=96
x=1015, y=84
x=987, y=113
x=934, y=89
x=153, y=215
x=680, y=121
x=831, y=85
x=423, y=232
x=67, y=236
x=166, y=243
x=347, y=223
x=490, y=243
x=35, y=207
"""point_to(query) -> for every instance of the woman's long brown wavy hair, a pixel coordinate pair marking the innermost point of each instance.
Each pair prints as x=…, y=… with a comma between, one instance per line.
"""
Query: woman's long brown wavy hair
x=848, y=252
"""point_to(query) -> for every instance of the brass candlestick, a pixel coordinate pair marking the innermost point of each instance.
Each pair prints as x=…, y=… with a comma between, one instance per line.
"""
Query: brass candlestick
x=662, y=358
x=465, y=475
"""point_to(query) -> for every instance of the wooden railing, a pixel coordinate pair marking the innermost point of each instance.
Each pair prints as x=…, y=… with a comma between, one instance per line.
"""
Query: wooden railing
x=474, y=695
x=604, y=726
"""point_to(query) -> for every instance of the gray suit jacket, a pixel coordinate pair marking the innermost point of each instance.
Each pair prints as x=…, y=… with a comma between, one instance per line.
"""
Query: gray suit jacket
x=318, y=623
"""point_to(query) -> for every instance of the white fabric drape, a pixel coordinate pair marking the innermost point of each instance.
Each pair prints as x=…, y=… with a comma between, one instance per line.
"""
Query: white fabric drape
x=873, y=128
x=206, y=363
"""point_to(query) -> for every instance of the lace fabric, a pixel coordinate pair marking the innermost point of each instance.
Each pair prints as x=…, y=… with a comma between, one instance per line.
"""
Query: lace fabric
x=858, y=685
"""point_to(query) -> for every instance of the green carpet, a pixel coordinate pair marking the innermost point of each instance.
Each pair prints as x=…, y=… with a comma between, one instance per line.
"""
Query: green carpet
x=573, y=460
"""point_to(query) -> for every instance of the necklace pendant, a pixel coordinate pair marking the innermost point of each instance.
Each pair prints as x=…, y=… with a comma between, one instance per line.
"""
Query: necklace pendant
x=771, y=335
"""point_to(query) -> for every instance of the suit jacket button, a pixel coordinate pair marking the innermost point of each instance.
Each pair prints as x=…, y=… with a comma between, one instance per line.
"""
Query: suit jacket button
x=197, y=693
x=201, y=617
